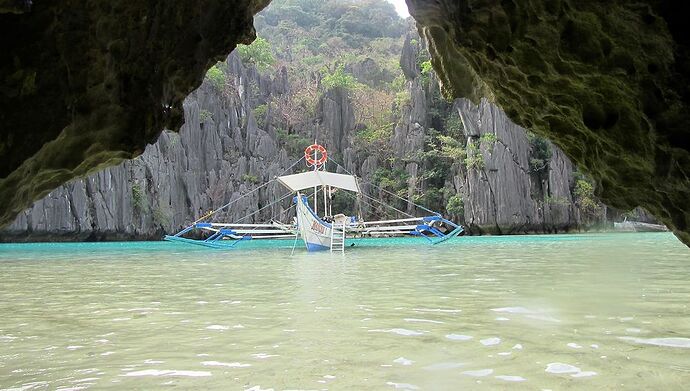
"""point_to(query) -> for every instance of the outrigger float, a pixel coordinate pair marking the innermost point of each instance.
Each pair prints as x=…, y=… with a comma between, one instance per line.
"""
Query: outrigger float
x=327, y=233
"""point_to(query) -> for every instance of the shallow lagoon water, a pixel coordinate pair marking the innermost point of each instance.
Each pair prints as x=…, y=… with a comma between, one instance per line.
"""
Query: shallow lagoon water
x=604, y=311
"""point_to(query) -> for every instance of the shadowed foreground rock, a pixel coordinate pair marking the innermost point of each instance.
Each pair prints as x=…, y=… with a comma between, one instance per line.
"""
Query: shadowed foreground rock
x=87, y=84
x=605, y=81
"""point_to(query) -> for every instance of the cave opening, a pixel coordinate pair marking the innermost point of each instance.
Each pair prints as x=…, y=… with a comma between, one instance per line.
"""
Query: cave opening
x=358, y=76
x=123, y=122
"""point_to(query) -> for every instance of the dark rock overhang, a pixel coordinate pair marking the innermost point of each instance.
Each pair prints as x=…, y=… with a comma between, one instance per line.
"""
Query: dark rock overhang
x=607, y=81
x=87, y=84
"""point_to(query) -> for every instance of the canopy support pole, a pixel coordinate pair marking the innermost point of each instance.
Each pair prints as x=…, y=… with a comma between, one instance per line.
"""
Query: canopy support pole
x=325, y=205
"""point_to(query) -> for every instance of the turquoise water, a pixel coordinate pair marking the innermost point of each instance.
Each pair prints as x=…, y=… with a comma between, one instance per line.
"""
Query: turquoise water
x=606, y=311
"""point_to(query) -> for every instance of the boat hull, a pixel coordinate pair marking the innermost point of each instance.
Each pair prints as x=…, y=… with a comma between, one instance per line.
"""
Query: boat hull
x=637, y=226
x=315, y=232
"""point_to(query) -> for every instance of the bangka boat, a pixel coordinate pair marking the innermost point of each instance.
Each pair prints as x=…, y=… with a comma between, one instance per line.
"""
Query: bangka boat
x=638, y=226
x=315, y=223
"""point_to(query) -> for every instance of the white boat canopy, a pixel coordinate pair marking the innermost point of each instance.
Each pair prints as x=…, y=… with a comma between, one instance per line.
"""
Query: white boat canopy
x=310, y=179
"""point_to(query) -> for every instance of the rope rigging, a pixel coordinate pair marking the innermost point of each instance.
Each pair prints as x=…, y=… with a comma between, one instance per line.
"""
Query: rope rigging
x=379, y=202
x=264, y=207
x=307, y=222
x=388, y=192
x=209, y=214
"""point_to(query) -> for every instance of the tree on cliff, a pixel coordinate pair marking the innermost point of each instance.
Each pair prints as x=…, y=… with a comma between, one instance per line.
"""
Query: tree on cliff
x=258, y=53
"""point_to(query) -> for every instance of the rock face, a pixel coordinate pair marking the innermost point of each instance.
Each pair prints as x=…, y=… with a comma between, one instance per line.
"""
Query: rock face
x=336, y=118
x=89, y=84
x=606, y=82
x=223, y=151
x=502, y=194
x=219, y=154
x=232, y=140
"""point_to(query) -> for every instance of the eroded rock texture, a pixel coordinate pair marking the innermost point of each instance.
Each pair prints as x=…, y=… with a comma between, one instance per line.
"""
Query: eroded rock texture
x=86, y=84
x=503, y=194
x=219, y=154
x=223, y=150
x=606, y=81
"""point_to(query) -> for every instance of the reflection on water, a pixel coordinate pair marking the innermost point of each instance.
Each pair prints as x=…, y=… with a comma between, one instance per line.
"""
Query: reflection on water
x=531, y=312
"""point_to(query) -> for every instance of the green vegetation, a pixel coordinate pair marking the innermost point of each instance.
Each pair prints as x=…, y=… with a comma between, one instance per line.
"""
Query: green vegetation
x=343, y=202
x=338, y=78
x=216, y=77
x=453, y=125
x=426, y=67
x=374, y=117
x=470, y=154
x=452, y=148
x=355, y=45
x=260, y=115
x=392, y=179
x=455, y=206
x=293, y=143
x=316, y=34
x=560, y=201
x=257, y=53
x=586, y=202
x=540, y=153
x=474, y=158
x=488, y=138
x=376, y=135
x=138, y=198
x=250, y=178
x=205, y=115
x=402, y=98
x=397, y=84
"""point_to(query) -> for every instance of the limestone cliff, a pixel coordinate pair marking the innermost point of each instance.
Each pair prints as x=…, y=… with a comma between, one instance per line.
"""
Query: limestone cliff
x=219, y=153
x=502, y=194
x=232, y=140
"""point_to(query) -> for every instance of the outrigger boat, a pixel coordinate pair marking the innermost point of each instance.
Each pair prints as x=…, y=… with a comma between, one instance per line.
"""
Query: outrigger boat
x=327, y=233
x=638, y=226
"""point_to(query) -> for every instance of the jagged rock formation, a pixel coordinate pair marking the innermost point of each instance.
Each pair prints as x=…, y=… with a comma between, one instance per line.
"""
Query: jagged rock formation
x=87, y=85
x=606, y=82
x=502, y=194
x=222, y=152
x=219, y=154
x=337, y=120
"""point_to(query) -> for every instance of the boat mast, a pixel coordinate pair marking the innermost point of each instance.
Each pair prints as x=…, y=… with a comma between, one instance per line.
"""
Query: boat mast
x=316, y=193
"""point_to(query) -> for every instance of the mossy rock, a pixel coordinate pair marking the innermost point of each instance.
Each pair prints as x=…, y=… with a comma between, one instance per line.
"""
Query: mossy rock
x=605, y=81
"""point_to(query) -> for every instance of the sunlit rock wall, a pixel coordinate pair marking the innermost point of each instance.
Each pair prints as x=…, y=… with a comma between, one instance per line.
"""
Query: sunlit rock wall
x=504, y=195
x=222, y=152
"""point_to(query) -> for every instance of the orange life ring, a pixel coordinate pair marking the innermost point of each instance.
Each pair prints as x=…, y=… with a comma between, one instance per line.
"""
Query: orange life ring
x=309, y=155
